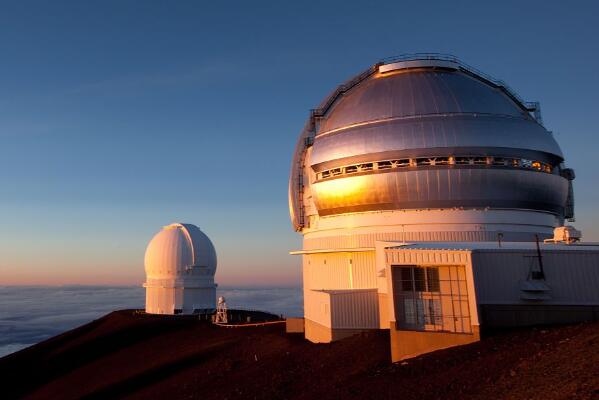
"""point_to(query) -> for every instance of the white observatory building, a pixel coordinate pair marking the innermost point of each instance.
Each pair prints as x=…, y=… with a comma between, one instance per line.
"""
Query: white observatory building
x=421, y=188
x=180, y=263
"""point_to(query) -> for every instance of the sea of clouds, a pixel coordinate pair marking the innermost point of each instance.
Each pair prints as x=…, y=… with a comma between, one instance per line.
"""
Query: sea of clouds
x=29, y=315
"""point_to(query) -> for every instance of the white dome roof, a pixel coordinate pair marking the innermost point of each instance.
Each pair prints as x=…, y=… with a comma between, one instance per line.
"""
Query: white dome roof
x=177, y=247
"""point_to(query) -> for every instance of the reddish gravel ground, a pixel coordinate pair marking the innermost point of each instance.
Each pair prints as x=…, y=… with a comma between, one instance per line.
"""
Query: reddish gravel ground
x=129, y=355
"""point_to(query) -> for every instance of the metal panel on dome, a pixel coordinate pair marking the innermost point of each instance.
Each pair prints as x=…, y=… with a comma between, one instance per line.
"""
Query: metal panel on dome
x=451, y=133
x=168, y=253
x=446, y=188
x=204, y=253
x=417, y=93
x=418, y=64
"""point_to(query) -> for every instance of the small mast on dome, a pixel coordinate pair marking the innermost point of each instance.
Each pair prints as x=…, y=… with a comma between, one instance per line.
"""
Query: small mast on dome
x=180, y=263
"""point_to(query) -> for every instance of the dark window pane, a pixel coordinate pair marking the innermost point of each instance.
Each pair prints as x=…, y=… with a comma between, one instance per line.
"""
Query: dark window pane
x=419, y=279
x=432, y=277
x=406, y=279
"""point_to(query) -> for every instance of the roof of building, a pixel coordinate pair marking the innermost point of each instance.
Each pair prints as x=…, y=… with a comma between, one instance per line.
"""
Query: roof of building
x=494, y=246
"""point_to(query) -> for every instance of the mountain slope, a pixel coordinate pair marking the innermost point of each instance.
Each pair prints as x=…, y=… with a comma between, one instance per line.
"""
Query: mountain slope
x=131, y=355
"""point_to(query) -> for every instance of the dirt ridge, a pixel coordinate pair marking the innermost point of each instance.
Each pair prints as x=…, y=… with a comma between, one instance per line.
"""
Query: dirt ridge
x=130, y=355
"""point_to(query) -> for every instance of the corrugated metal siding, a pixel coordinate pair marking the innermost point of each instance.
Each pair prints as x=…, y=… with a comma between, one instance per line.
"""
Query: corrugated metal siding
x=355, y=310
x=327, y=271
x=369, y=239
x=343, y=310
x=573, y=276
x=418, y=257
x=364, y=270
x=317, y=307
x=335, y=271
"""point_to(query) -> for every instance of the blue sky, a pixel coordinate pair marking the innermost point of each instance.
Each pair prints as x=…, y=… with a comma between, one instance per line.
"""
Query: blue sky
x=119, y=117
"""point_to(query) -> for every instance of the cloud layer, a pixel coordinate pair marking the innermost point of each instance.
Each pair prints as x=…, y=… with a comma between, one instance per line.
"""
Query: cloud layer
x=29, y=315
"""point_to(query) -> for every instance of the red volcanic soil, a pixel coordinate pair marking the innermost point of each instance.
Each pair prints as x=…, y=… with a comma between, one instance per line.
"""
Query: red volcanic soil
x=130, y=355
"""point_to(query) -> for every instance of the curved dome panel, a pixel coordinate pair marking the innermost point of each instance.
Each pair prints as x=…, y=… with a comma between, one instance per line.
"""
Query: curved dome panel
x=442, y=188
x=203, y=249
x=428, y=136
x=177, y=247
x=421, y=92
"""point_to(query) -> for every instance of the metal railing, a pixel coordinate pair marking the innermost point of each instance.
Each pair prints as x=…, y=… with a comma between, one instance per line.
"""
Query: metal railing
x=344, y=87
x=420, y=56
x=459, y=161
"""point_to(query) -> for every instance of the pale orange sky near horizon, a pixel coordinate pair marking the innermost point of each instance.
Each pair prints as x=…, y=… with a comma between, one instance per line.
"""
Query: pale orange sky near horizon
x=125, y=267
x=110, y=264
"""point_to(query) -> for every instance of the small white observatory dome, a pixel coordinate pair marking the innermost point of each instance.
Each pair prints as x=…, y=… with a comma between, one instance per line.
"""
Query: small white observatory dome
x=180, y=263
x=176, y=247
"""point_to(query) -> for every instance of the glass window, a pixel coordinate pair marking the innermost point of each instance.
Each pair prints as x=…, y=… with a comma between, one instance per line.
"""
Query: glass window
x=419, y=279
x=406, y=279
x=432, y=279
x=423, y=303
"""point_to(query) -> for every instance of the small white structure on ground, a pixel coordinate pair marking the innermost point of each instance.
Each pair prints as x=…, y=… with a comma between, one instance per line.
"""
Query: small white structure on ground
x=221, y=311
x=180, y=263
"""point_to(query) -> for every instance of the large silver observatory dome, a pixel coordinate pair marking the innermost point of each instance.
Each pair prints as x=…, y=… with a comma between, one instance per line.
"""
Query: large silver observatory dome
x=426, y=132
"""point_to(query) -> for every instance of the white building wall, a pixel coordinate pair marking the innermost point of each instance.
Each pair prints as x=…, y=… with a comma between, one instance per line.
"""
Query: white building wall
x=340, y=271
x=346, y=309
x=364, y=270
x=349, y=272
x=160, y=300
x=317, y=307
x=355, y=309
x=327, y=271
x=169, y=297
x=359, y=230
x=572, y=276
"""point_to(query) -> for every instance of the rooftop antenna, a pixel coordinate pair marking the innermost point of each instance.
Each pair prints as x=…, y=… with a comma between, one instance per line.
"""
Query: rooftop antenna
x=534, y=287
x=540, y=274
x=221, y=311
